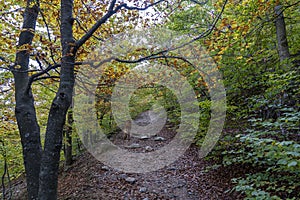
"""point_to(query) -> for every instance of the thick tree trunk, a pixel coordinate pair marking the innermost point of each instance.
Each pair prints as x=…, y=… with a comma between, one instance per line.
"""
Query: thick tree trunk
x=25, y=111
x=59, y=108
x=283, y=47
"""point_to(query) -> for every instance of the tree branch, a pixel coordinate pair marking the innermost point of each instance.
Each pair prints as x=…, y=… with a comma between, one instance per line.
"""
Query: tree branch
x=89, y=34
x=111, y=11
x=160, y=54
x=49, y=36
x=139, y=8
x=5, y=68
x=86, y=31
x=290, y=5
x=4, y=91
x=199, y=3
x=36, y=76
x=46, y=77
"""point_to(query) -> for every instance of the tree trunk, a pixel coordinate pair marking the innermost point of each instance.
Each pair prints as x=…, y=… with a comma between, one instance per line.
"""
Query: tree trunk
x=59, y=107
x=68, y=138
x=283, y=47
x=25, y=112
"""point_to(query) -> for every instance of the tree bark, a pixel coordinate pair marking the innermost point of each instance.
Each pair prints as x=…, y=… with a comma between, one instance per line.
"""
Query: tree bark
x=59, y=107
x=68, y=138
x=25, y=112
x=283, y=47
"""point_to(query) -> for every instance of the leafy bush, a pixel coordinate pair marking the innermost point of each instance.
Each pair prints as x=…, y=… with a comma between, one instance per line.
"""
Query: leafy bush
x=271, y=143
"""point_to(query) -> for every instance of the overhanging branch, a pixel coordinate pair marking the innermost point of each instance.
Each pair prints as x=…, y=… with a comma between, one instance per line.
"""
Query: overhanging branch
x=111, y=12
x=139, y=8
x=89, y=33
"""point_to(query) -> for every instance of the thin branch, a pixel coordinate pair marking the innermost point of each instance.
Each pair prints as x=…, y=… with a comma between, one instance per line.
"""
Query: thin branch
x=39, y=63
x=89, y=10
x=11, y=11
x=200, y=3
x=111, y=11
x=260, y=25
x=89, y=34
x=101, y=62
x=5, y=173
x=82, y=83
x=139, y=8
x=24, y=71
x=158, y=57
x=46, y=77
x=4, y=91
x=82, y=28
x=5, y=68
x=3, y=59
x=49, y=36
x=204, y=34
x=162, y=53
x=34, y=76
x=291, y=5
x=48, y=88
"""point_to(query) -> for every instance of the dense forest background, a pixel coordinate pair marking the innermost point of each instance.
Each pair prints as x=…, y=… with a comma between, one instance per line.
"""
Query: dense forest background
x=255, y=45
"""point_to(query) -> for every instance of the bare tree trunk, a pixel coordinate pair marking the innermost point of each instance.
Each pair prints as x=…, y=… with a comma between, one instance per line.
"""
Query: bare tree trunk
x=68, y=138
x=59, y=107
x=25, y=111
x=283, y=47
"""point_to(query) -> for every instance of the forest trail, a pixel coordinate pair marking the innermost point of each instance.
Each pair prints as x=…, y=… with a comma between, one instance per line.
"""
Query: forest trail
x=185, y=179
x=188, y=178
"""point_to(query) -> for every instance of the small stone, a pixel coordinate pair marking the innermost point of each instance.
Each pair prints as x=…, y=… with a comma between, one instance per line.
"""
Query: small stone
x=145, y=198
x=148, y=148
x=143, y=189
x=123, y=176
x=106, y=168
x=155, y=192
x=130, y=180
x=144, y=137
x=159, y=138
x=172, y=168
x=181, y=183
x=134, y=146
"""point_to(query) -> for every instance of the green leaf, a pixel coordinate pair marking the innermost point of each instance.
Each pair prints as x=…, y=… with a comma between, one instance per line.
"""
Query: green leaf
x=282, y=162
x=293, y=163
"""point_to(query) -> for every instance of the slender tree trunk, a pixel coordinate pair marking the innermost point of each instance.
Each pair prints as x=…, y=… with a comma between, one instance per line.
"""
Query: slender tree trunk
x=59, y=107
x=68, y=138
x=283, y=47
x=25, y=111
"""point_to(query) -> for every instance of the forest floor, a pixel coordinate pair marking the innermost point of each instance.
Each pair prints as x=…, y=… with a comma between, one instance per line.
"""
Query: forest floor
x=188, y=178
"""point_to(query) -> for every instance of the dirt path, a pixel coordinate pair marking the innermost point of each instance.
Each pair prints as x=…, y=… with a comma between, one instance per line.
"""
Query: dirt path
x=186, y=179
